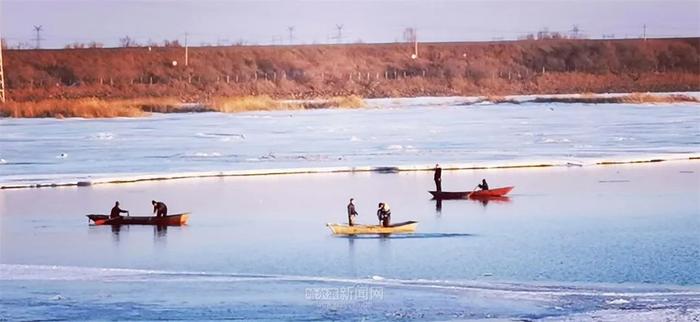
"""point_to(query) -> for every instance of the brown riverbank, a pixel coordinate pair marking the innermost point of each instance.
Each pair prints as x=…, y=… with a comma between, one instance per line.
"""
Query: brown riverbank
x=365, y=70
x=101, y=108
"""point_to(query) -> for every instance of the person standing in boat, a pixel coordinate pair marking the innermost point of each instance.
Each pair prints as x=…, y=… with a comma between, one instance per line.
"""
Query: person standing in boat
x=438, y=177
x=159, y=208
x=384, y=214
x=352, y=213
x=483, y=185
x=116, y=211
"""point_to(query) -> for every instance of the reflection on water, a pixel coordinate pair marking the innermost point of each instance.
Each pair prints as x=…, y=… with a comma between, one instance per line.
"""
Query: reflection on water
x=351, y=238
x=116, y=229
x=485, y=200
x=160, y=232
x=595, y=232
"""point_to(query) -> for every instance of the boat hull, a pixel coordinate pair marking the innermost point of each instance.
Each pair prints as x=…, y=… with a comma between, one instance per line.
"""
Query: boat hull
x=172, y=220
x=479, y=194
x=399, y=228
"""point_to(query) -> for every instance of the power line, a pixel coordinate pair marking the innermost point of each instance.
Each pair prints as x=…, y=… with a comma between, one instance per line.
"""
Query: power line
x=339, y=36
x=38, y=38
x=291, y=34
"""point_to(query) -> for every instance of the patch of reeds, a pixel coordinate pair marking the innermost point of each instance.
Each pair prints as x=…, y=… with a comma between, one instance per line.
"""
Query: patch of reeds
x=634, y=98
x=250, y=103
x=267, y=103
x=60, y=108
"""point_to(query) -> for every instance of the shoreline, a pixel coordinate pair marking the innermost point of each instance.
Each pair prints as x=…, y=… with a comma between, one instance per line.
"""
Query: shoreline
x=135, y=178
x=99, y=108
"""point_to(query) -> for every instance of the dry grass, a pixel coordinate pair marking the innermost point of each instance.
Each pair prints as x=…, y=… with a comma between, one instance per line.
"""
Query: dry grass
x=634, y=98
x=249, y=103
x=60, y=108
x=152, y=104
x=94, y=108
x=640, y=98
x=352, y=101
x=495, y=98
x=266, y=103
x=99, y=108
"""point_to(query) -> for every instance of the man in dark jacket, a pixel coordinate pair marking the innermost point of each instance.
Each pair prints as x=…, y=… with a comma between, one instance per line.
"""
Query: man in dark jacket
x=384, y=214
x=116, y=211
x=438, y=177
x=352, y=213
x=159, y=208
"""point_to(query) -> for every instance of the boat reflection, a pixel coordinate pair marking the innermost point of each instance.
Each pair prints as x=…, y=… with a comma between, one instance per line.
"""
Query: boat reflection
x=386, y=237
x=486, y=200
x=116, y=229
x=160, y=231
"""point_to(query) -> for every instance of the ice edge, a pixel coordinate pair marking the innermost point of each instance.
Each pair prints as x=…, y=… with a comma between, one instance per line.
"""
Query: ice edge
x=349, y=169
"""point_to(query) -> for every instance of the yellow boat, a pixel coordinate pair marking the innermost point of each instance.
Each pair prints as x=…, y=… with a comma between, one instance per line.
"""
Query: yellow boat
x=398, y=228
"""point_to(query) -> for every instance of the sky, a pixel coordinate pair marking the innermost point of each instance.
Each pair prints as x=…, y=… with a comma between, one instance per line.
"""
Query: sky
x=268, y=22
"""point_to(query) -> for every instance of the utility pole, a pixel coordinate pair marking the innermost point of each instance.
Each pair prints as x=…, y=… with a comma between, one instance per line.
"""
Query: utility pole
x=291, y=34
x=3, y=98
x=37, y=29
x=187, y=58
x=415, y=44
x=410, y=35
x=644, y=34
x=574, y=31
x=339, y=36
x=2, y=77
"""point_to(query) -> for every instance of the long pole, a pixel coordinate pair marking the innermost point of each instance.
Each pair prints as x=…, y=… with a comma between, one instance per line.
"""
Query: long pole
x=186, y=51
x=2, y=74
x=415, y=43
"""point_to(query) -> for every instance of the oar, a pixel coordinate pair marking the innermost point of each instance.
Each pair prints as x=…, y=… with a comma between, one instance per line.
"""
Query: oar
x=477, y=186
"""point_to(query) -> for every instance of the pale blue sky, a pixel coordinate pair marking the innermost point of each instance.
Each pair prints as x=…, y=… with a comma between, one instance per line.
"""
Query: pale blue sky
x=265, y=22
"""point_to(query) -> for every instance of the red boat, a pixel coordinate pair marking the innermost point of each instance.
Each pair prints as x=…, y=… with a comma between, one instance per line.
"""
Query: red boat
x=477, y=194
x=172, y=220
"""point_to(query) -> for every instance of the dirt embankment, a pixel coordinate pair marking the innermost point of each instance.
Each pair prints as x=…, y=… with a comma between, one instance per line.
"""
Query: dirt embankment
x=371, y=70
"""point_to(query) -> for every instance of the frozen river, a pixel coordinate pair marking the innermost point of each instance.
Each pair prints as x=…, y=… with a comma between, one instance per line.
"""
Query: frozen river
x=577, y=243
x=401, y=132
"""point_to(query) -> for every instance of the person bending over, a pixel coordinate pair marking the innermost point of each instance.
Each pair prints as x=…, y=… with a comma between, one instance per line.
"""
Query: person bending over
x=159, y=208
x=384, y=214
